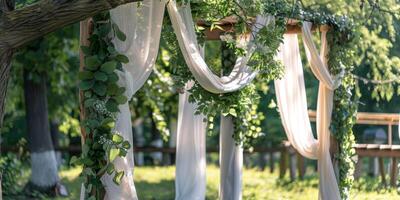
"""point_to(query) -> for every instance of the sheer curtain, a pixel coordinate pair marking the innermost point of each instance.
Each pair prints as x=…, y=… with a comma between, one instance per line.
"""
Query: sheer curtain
x=241, y=75
x=142, y=26
x=190, y=181
x=292, y=103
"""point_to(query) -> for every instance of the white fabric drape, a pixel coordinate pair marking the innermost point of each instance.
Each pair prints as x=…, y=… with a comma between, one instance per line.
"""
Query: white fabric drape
x=123, y=126
x=231, y=162
x=292, y=103
x=141, y=23
x=241, y=74
x=190, y=181
x=142, y=26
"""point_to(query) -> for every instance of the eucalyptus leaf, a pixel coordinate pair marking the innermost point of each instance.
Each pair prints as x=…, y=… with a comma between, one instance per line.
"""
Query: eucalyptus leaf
x=85, y=85
x=113, y=154
x=92, y=62
x=122, y=58
x=100, y=88
x=118, y=177
x=117, y=139
x=100, y=76
x=108, y=67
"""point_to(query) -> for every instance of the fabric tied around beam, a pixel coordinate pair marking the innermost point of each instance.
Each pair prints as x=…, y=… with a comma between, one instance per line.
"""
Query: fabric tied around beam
x=241, y=74
x=292, y=103
x=231, y=155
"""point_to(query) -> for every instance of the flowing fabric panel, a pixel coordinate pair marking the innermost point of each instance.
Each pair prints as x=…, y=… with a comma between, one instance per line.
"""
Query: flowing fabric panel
x=141, y=23
x=240, y=76
x=142, y=26
x=126, y=190
x=190, y=181
x=292, y=103
x=231, y=162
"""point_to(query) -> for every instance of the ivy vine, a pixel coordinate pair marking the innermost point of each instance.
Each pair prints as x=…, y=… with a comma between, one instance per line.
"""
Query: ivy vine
x=341, y=41
x=102, y=96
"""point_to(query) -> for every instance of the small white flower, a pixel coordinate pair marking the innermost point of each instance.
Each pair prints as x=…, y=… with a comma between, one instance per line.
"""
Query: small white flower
x=227, y=38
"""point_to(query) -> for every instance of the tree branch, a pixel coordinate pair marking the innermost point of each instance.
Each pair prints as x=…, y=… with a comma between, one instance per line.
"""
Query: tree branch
x=21, y=26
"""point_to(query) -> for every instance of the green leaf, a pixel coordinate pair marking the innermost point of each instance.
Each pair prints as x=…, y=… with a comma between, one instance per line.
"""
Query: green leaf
x=117, y=139
x=113, y=77
x=122, y=58
x=122, y=152
x=118, y=177
x=87, y=161
x=232, y=112
x=108, y=67
x=121, y=99
x=75, y=161
x=108, y=122
x=110, y=169
x=112, y=105
x=101, y=76
x=112, y=89
x=89, y=102
x=100, y=89
x=120, y=35
x=126, y=145
x=84, y=75
x=92, y=62
x=113, y=154
x=85, y=85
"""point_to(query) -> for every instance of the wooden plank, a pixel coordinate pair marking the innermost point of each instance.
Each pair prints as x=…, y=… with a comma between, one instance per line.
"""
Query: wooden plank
x=227, y=26
x=368, y=118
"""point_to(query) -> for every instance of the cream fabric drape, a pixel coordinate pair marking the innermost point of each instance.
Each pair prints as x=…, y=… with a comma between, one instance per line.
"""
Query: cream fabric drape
x=126, y=190
x=141, y=22
x=190, y=181
x=230, y=162
x=292, y=103
x=231, y=156
x=142, y=26
x=240, y=76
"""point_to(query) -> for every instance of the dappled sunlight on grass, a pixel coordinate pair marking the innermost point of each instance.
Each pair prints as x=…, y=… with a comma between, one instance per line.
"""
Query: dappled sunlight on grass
x=158, y=183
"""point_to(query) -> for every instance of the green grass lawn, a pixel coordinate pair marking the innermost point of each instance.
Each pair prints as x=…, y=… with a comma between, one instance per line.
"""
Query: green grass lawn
x=157, y=183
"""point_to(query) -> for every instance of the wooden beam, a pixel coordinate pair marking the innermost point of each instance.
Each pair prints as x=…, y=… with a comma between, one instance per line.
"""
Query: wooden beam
x=227, y=26
x=21, y=26
x=368, y=118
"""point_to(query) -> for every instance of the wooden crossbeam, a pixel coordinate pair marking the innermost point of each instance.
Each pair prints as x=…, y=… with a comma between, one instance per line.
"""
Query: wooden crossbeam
x=369, y=118
x=227, y=25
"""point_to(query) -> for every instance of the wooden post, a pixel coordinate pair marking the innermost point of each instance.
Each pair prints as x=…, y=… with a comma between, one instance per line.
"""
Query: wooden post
x=271, y=162
x=85, y=30
x=292, y=163
x=382, y=171
x=283, y=162
x=394, y=173
x=301, y=166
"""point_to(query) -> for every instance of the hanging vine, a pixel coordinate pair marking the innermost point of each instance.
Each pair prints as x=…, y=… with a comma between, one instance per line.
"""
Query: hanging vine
x=341, y=41
x=242, y=104
x=102, y=96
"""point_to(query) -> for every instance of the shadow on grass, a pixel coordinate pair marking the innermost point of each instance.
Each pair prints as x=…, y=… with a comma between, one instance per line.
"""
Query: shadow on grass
x=307, y=182
x=164, y=190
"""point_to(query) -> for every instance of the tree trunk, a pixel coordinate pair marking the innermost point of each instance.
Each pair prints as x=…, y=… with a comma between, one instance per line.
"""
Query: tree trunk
x=23, y=25
x=5, y=60
x=55, y=137
x=43, y=160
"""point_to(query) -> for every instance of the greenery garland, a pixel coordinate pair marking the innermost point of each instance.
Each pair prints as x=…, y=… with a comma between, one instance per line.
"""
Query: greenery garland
x=102, y=96
x=341, y=42
x=241, y=105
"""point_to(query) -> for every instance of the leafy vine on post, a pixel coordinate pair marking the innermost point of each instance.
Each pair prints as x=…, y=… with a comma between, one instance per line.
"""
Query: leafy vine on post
x=101, y=98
